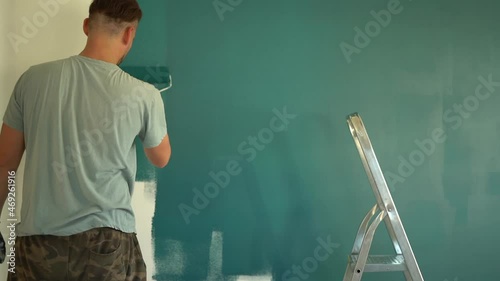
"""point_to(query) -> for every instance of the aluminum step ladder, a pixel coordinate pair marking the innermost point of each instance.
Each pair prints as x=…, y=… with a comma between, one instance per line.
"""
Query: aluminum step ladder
x=360, y=261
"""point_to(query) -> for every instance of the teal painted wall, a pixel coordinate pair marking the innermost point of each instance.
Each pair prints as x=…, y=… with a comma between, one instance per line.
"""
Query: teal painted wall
x=415, y=82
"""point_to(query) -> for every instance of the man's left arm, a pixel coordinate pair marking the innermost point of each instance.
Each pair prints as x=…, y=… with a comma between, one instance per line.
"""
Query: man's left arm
x=11, y=152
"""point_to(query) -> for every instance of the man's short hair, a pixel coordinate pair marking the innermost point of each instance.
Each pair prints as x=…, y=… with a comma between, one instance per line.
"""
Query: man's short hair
x=116, y=13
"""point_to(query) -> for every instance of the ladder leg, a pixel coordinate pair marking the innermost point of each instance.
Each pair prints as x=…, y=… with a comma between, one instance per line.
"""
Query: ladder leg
x=362, y=229
x=408, y=276
x=356, y=270
x=360, y=236
x=396, y=230
x=349, y=271
x=412, y=265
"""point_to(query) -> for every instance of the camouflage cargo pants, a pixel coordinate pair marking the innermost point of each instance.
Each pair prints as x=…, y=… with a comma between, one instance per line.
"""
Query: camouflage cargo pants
x=100, y=254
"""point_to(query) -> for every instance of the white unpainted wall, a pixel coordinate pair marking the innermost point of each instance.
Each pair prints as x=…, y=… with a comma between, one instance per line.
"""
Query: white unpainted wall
x=54, y=31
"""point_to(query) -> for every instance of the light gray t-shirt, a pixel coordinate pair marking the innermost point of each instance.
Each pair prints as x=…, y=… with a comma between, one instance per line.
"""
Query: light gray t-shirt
x=80, y=117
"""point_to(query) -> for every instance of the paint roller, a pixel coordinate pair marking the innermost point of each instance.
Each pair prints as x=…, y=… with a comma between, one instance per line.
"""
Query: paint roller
x=158, y=76
x=169, y=85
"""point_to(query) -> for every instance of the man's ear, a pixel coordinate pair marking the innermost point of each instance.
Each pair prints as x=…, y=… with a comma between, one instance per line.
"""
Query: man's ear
x=86, y=26
x=128, y=35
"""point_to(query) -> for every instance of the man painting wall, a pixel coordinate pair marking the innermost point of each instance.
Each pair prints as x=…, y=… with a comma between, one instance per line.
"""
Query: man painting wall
x=77, y=118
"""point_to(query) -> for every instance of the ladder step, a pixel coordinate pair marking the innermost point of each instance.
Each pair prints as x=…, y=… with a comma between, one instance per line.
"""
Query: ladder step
x=380, y=263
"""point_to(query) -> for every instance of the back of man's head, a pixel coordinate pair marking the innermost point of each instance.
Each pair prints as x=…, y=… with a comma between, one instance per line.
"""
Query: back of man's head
x=113, y=16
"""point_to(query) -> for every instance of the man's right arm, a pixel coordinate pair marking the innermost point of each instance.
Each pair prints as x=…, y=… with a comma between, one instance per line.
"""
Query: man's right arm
x=154, y=134
x=159, y=155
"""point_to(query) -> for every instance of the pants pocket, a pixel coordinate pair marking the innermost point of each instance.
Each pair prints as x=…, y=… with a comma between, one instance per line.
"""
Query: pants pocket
x=106, y=259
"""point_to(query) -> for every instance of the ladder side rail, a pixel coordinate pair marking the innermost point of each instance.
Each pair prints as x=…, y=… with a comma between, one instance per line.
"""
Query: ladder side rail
x=362, y=142
x=356, y=135
x=370, y=163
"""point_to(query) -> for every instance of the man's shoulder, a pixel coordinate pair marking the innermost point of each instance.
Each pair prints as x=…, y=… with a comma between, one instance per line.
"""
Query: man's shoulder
x=39, y=71
x=51, y=63
x=46, y=67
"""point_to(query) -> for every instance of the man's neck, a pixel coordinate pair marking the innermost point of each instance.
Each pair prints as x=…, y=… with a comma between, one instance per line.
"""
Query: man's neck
x=100, y=53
